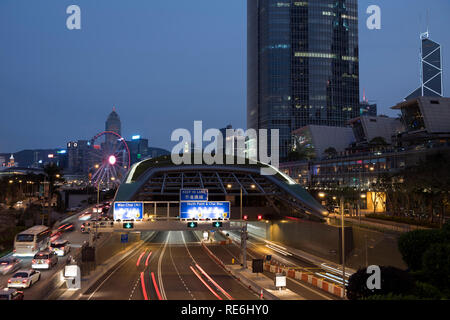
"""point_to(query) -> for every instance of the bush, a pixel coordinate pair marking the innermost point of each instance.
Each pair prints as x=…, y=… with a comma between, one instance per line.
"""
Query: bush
x=391, y=296
x=436, y=265
x=412, y=245
x=393, y=281
x=425, y=290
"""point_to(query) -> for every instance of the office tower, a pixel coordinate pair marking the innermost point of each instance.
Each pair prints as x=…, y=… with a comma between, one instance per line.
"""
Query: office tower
x=303, y=65
x=113, y=124
x=430, y=69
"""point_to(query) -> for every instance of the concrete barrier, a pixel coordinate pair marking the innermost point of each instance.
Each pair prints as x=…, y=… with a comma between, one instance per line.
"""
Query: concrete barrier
x=308, y=278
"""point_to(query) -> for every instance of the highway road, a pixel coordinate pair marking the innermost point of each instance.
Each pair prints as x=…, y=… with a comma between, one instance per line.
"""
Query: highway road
x=40, y=288
x=172, y=265
x=261, y=247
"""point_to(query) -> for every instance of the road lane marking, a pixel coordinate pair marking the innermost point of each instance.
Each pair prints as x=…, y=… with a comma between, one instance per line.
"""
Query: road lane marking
x=214, y=283
x=109, y=276
x=206, y=285
x=179, y=275
x=161, y=284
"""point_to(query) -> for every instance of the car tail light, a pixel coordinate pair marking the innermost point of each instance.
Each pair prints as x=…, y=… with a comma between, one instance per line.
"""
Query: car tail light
x=14, y=250
x=33, y=261
x=24, y=281
x=9, y=281
x=62, y=248
x=47, y=261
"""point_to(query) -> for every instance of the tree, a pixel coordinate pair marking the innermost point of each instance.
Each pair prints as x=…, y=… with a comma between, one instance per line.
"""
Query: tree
x=378, y=143
x=330, y=152
x=412, y=245
x=436, y=265
x=393, y=281
x=54, y=174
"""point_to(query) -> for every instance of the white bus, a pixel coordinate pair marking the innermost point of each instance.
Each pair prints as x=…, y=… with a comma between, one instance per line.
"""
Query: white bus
x=31, y=241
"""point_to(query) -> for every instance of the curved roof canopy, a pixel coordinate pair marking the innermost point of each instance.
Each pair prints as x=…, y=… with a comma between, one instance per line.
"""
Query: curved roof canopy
x=160, y=177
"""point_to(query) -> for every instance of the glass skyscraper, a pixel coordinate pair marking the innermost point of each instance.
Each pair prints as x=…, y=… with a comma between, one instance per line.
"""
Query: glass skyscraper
x=303, y=65
x=431, y=70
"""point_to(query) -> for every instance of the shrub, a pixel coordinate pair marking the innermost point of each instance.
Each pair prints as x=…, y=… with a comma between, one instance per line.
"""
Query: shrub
x=436, y=265
x=412, y=245
x=393, y=281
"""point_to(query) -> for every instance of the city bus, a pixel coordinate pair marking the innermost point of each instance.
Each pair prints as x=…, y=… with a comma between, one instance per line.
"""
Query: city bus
x=29, y=242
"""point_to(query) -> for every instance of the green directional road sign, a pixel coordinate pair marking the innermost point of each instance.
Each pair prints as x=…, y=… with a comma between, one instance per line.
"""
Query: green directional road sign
x=217, y=224
x=128, y=225
x=192, y=225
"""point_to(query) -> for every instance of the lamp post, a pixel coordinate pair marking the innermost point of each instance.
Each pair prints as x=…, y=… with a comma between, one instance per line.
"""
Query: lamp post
x=363, y=196
x=343, y=242
x=243, y=231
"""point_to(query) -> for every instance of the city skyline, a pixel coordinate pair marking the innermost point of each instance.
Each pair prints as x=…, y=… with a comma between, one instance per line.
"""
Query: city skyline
x=66, y=69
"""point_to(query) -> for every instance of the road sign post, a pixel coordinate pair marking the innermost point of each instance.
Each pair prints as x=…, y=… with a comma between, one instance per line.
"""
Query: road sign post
x=124, y=238
x=244, y=246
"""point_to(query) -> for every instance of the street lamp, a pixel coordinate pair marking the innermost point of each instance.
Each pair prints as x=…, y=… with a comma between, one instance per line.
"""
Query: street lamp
x=322, y=195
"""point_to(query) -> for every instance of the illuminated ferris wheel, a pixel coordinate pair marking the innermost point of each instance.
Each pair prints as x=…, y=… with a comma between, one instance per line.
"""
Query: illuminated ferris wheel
x=109, y=159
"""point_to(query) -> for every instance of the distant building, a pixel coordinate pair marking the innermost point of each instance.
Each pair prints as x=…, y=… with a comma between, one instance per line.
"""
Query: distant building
x=426, y=120
x=303, y=65
x=113, y=124
x=37, y=158
x=233, y=141
x=157, y=152
x=12, y=163
x=367, y=128
x=423, y=129
x=317, y=139
x=368, y=109
x=79, y=160
x=138, y=149
x=431, y=70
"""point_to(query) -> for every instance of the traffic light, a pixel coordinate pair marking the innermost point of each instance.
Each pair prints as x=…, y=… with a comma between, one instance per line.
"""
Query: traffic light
x=128, y=225
x=245, y=217
x=192, y=225
x=260, y=217
x=217, y=224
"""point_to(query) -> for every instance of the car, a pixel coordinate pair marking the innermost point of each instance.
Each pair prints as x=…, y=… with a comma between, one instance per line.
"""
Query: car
x=9, y=264
x=44, y=260
x=55, y=236
x=60, y=248
x=85, y=216
x=67, y=227
x=24, y=278
x=83, y=228
x=10, y=294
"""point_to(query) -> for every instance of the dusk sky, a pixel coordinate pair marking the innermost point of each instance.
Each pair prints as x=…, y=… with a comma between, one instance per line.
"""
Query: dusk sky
x=164, y=64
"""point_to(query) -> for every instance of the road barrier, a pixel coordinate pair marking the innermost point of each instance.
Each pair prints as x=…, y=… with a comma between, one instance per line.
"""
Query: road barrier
x=307, y=277
x=274, y=267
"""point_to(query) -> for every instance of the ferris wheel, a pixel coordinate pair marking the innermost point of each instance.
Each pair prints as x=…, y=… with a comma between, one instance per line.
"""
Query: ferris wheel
x=109, y=159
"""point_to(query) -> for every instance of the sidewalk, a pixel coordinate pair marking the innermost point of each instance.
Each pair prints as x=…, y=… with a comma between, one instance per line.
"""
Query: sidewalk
x=305, y=255
x=379, y=224
x=260, y=283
